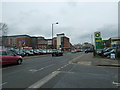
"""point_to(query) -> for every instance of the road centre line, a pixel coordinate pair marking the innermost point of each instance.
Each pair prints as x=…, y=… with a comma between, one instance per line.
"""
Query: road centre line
x=44, y=80
x=36, y=70
x=46, y=67
x=63, y=67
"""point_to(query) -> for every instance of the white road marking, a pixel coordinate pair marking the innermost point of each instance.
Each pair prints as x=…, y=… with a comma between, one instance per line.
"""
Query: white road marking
x=3, y=83
x=116, y=83
x=36, y=70
x=46, y=67
x=58, y=69
x=44, y=80
x=62, y=67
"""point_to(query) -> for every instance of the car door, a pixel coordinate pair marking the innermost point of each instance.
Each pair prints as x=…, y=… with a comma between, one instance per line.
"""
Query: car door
x=12, y=58
x=5, y=59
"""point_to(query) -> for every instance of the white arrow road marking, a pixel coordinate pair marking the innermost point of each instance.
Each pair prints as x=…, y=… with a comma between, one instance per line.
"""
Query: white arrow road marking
x=116, y=83
x=44, y=80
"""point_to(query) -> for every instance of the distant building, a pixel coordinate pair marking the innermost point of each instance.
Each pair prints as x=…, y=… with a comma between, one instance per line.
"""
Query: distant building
x=55, y=42
x=22, y=41
x=87, y=45
x=112, y=42
x=77, y=46
x=18, y=41
x=42, y=43
x=49, y=45
x=115, y=41
x=106, y=43
x=63, y=42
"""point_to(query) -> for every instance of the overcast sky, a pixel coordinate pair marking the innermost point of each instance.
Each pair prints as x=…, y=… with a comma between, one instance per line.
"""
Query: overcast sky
x=78, y=20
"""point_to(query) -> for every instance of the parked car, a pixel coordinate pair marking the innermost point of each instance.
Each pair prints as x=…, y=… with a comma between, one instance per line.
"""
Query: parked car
x=41, y=51
x=73, y=51
x=49, y=51
x=44, y=51
x=56, y=52
x=114, y=50
x=101, y=52
x=8, y=57
x=19, y=52
x=88, y=50
x=36, y=51
x=28, y=52
x=107, y=49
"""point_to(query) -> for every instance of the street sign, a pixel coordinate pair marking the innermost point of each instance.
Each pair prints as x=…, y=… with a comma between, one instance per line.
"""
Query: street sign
x=98, y=40
x=97, y=35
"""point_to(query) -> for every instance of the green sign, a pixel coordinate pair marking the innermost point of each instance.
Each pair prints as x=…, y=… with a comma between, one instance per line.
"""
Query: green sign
x=97, y=35
x=98, y=43
x=98, y=40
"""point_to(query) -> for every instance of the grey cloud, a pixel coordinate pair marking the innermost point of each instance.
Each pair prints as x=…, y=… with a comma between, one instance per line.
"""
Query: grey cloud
x=77, y=20
x=109, y=31
x=72, y=4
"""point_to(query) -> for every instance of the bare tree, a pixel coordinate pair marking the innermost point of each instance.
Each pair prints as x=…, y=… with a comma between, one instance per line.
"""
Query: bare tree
x=3, y=33
x=3, y=29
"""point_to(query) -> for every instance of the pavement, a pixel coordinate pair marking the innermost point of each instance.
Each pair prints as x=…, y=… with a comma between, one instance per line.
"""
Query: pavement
x=89, y=59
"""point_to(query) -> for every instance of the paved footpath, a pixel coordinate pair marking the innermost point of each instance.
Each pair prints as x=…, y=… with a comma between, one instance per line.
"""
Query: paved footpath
x=89, y=59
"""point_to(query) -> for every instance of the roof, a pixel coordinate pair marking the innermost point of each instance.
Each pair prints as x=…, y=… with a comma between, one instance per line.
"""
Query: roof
x=115, y=38
x=19, y=35
x=60, y=34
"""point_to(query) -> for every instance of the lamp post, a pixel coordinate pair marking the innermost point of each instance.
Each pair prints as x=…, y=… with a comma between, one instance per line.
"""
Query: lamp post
x=52, y=34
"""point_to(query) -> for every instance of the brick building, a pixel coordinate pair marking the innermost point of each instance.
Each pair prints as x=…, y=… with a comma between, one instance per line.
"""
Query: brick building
x=18, y=41
x=22, y=41
x=42, y=43
x=63, y=42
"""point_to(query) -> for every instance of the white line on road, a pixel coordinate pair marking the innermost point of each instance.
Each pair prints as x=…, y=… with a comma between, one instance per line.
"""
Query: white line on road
x=36, y=70
x=62, y=67
x=46, y=67
x=3, y=83
x=116, y=83
x=44, y=80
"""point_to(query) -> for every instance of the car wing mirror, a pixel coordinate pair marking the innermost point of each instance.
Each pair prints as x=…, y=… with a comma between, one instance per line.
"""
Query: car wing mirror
x=15, y=54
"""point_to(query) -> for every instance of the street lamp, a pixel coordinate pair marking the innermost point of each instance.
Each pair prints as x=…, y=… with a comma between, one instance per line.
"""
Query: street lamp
x=52, y=33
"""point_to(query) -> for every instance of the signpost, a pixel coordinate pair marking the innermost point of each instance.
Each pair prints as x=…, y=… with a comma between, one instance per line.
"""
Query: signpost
x=98, y=40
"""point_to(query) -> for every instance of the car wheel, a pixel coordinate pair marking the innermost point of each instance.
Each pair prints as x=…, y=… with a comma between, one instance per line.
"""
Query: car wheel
x=19, y=61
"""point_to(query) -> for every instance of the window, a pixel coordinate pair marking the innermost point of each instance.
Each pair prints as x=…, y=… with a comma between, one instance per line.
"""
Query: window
x=10, y=53
x=3, y=53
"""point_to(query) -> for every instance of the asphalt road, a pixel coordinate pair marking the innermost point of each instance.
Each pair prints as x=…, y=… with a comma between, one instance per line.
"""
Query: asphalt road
x=33, y=70
x=57, y=72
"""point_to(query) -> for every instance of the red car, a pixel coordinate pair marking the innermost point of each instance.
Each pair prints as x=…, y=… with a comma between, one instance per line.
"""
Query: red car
x=8, y=57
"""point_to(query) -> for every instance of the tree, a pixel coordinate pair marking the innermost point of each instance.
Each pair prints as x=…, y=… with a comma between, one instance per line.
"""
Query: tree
x=3, y=33
x=3, y=29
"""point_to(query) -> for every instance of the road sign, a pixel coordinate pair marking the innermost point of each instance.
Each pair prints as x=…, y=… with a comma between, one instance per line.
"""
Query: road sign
x=97, y=35
x=98, y=40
